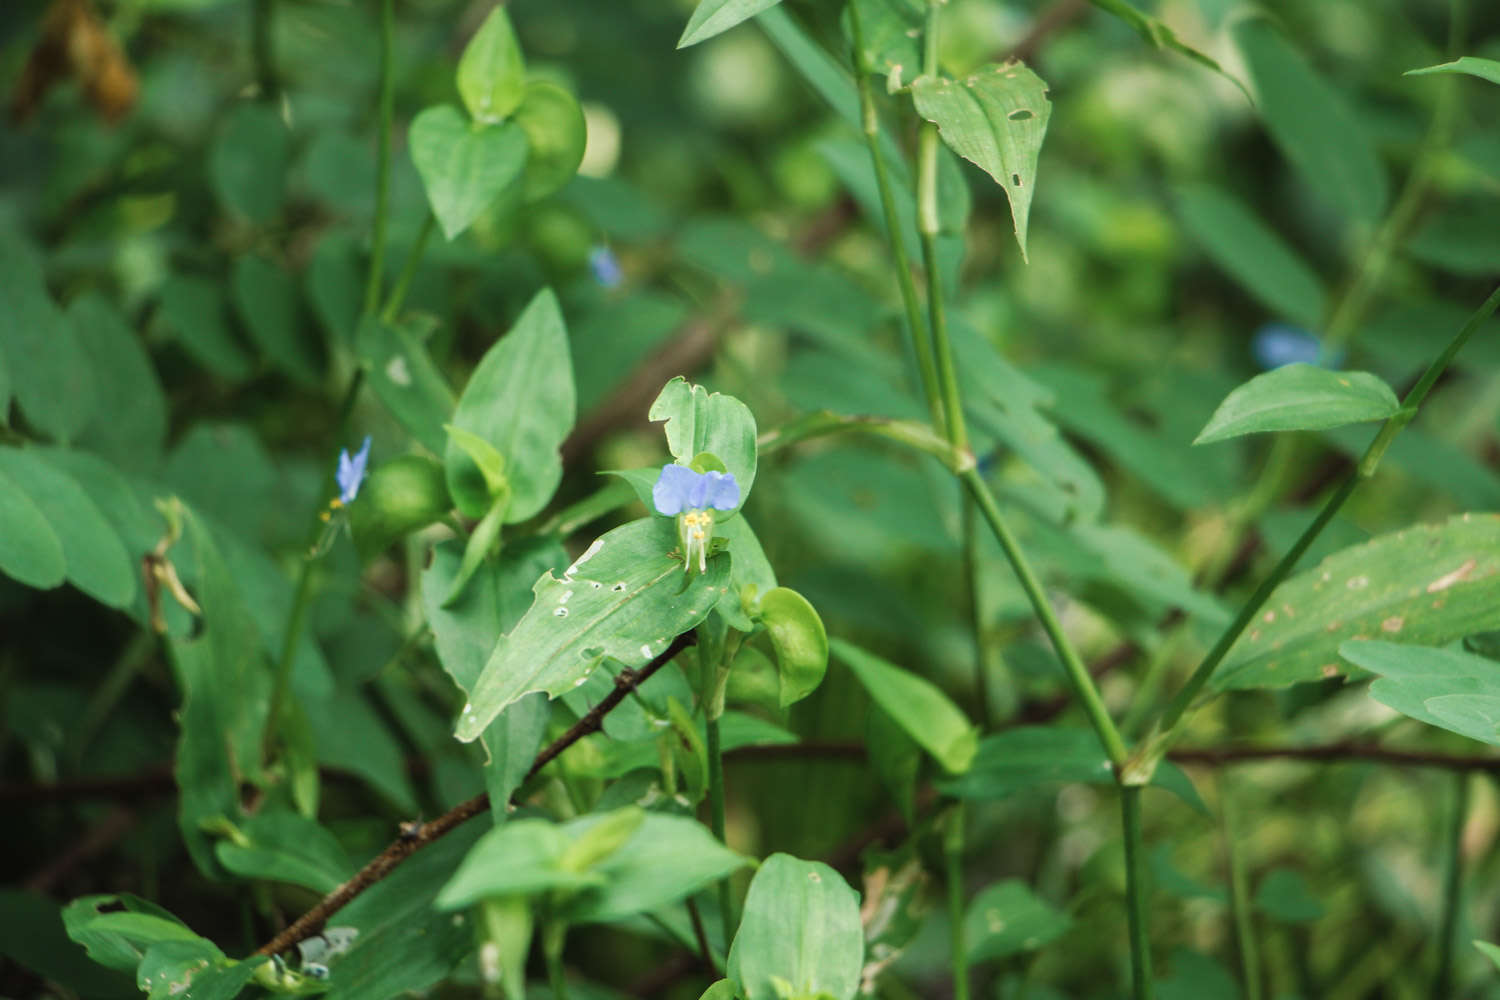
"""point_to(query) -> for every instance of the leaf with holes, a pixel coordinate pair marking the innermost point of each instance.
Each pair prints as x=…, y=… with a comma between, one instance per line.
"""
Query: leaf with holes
x=1428, y=584
x=625, y=598
x=1300, y=397
x=699, y=421
x=995, y=118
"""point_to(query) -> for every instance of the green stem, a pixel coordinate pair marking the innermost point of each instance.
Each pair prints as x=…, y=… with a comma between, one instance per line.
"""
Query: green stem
x=263, y=49
x=1137, y=892
x=553, y=937
x=716, y=823
x=1239, y=892
x=383, y=155
x=953, y=849
x=920, y=337
x=403, y=282
x=1453, y=889
x=976, y=623
x=1078, y=673
x=1171, y=723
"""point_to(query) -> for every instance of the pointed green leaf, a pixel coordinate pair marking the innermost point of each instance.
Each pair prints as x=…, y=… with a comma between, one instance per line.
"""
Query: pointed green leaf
x=1252, y=253
x=1300, y=397
x=285, y=847
x=699, y=421
x=1427, y=584
x=119, y=937
x=1312, y=124
x=404, y=377
x=464, y=166
x=713, y=17
x=625, y=598
x=1008, y=918
x=996, y=119
x=800, y=928
x=1485, y=69
x=917, y=705
x=520, y=399
x=492, y=71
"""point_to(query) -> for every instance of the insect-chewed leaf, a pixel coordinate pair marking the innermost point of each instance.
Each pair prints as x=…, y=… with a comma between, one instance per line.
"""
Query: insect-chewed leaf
x=995, y=118
x=625, y=598
x=1426, y=585
x=699, y=421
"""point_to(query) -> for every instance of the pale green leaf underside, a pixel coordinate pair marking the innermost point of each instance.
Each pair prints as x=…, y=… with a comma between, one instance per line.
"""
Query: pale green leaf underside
x=1446, y=688
x=995, y=118
x=625, y=598
x=713, y=17
x=1300, y=397
x=916, y=704
x=1428, y=584
x=1485, y=69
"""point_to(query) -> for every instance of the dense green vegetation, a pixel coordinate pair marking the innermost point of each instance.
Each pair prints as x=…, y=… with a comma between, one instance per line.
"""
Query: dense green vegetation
x=833, y=498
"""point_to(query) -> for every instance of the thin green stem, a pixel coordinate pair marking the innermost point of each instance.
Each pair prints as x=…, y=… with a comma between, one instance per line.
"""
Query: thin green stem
x=1453, y=889
x=1078, y=673
x=920, y=338
x=263, y=50
x=953, y=850
x=1239, y=893
x=553, y=937
x=397, y=297
x=383, y=154
x=716, y=823
x=1171, y=722
x=976, y=623
x=1137, y=892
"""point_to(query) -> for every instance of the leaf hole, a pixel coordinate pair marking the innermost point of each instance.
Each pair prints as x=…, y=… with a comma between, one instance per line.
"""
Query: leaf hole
x=1015, y=179
x=1020, y=115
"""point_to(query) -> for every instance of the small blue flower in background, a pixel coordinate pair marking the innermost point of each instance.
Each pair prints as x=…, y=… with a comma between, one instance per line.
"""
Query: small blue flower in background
x=352, y=471
x=681, y=489
x=606, y=267
x=1277, y=344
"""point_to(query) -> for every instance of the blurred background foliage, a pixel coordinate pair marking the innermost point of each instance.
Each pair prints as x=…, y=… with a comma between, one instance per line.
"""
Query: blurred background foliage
x=223, y=238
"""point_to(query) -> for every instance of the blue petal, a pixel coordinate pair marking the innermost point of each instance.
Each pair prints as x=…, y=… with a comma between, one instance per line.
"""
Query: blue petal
x=672, y=493
x=351, y=471
x=606, y=267
x=1277, y=344
x=722, y=492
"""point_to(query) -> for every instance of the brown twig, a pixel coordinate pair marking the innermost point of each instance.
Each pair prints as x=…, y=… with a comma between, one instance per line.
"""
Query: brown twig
x=418, y=835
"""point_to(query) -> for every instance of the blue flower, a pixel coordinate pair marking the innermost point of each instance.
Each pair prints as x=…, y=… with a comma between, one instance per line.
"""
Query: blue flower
x=352, y=471
x=679, y=489
x=1277, y=344
x=606, y=267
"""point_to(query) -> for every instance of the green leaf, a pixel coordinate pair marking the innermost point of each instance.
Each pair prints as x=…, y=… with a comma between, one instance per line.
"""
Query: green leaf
x=556, y=134
x=519, y=399
x=891, y=30
x=492, y=71
x=751, y=570
x=402, y=374
x=1447, y=688
x=629, y=606
x=1491, y=952
x=464, y=167
x=1008, y=918
x=483, y=541
x=800, y=641
x=1300, y=397
x=1283, y=895
x=521, y=858
x=713, y=17
x=1158, y=35
x=800, y=927
x=699, y=421
x=895, y=758
x=97, y=561
x=266, y=298
x=32, y=935
x=30, y=551
x=397, y=498
x=193, y=311
x=1028, y=757
x=119, y=937
x=50, y=376
x=1485, y=69
x=248, y=159
x=282, y=846
x=725, y=990
x=995, y=118
x=196, y=970
x=1427, y=584
x=1311, y=124
x=1252, y=253
x=917, y=705
x=130, y=422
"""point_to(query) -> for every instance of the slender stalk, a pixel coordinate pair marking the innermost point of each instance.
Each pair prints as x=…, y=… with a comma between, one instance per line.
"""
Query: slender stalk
x=403, y=282
x=1239, y=893
x=263, y=49
x=1172, y=719
x=953, y=850
x=383, y=154
x=976, y=624
x=1137, y=893
x=1453, y=890
x=1078, y=673
x=920, y=337
x=553, y=937
x=716, y=823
